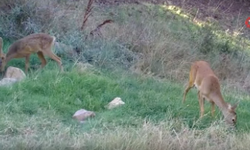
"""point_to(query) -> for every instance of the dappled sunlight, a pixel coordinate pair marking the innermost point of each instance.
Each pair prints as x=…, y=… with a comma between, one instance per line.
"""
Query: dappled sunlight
x=235, y=37
x=178, y=11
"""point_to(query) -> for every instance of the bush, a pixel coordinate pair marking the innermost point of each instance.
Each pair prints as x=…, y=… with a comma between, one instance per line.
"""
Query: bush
x=21, y=18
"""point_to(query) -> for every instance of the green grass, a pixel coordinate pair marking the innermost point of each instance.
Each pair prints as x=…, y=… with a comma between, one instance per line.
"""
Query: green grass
x=41, y=107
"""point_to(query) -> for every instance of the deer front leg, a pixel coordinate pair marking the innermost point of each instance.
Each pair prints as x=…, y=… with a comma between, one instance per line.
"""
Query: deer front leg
x=54, y=57
x=41, y=57
x=201, y=103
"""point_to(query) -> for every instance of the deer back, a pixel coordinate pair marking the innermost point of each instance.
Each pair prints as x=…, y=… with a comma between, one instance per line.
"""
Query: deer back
x=31, y=44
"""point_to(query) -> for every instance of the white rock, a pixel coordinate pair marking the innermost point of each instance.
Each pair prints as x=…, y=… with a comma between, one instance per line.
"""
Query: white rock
x=83, y=114
x=7, y=81
x=12, y=75
x=16, y=73
x=115, y=103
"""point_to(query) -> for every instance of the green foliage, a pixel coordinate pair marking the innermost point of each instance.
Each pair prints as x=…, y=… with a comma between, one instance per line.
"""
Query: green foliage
x=22, y=18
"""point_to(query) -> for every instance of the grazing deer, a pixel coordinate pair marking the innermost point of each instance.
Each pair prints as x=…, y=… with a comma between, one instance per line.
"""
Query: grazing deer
x=203, y=78
x=39, y=43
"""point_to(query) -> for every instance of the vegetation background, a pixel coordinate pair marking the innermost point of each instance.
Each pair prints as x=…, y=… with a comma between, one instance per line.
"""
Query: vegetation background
x=142, y=54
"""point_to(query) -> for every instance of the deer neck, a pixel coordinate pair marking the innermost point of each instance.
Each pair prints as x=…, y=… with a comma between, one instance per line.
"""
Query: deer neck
x=9, y=57
x=219, y=101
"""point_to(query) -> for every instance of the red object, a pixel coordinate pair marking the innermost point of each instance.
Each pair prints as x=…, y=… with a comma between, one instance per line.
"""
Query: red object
x=247, y=22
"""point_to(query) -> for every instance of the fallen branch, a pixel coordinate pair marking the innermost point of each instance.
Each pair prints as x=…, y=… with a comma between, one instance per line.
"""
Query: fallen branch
x=97, y=30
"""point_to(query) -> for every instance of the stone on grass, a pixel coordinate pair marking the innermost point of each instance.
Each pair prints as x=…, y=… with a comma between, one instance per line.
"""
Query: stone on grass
x=13, y=72
x=7, y=81
x=115, y=103
x=83, y=114
x=11, y=76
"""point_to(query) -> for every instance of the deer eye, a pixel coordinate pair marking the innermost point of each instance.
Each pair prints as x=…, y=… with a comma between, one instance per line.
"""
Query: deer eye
x=233, y=120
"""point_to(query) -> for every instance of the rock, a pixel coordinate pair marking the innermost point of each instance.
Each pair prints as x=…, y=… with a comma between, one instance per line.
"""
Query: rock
x=83, y=114
x=12, y=75
x=15, y=73
x=7, y=81
x=115, y=103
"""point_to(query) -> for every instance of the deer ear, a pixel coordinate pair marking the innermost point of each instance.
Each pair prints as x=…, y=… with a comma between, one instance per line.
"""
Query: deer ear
x=233, y=107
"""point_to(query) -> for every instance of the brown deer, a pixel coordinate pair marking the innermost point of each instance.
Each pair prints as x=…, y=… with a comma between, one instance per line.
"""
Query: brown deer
x=39, y=43
x=203, y=78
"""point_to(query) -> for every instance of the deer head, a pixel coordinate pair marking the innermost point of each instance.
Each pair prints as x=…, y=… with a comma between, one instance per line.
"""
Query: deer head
x=230, y=114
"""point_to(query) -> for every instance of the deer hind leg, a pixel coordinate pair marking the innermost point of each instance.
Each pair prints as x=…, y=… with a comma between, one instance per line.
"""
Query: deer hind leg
x=27, y=63
x=186, y=91
x=201, y=103
x=192, y=76
x=54, y=57
x=41, y=57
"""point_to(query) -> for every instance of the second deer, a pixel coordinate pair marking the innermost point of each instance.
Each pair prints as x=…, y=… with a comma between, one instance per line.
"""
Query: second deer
x=40, y=43
x=203, y=78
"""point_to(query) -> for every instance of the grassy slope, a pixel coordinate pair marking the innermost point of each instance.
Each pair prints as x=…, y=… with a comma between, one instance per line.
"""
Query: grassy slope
x=41, y=106
x=36, y=113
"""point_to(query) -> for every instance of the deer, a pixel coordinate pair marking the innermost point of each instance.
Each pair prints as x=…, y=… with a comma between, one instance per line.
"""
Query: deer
x=207, y=83
x=40, y=43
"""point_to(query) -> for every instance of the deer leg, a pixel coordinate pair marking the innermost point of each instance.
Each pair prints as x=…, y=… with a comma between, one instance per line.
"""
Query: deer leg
x=192, y=76
x=201, y=103
x=212, y=108
x=3, y=65
x=185, y=93
x=41, y=57
x=54, y=57
x=27, y=63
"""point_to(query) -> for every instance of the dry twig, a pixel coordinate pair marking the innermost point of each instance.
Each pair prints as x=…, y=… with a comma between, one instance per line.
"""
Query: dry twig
x=97, y=30
x=87, y=13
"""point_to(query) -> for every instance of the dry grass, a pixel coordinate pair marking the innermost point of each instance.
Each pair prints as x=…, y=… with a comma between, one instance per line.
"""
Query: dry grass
x=162, y=136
